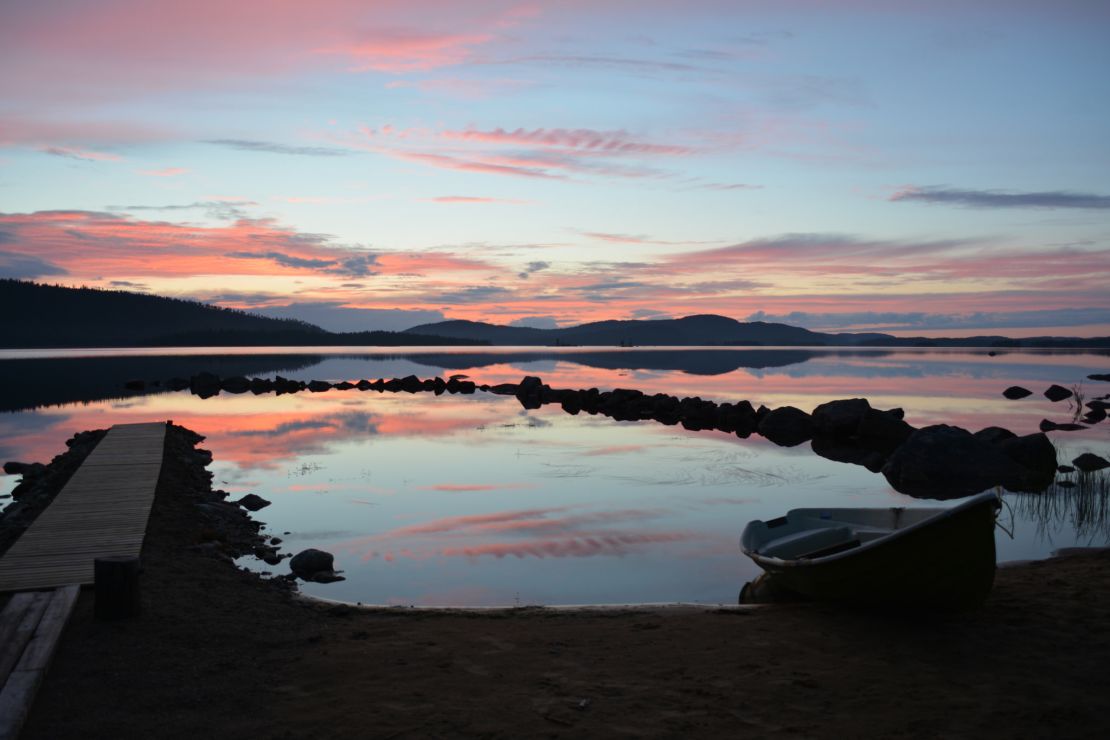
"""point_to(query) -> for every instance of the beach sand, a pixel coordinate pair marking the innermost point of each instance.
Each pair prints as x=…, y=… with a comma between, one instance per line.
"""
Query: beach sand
x=218, y=654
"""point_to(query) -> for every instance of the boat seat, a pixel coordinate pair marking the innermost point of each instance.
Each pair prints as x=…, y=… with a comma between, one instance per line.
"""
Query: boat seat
x=806, y=542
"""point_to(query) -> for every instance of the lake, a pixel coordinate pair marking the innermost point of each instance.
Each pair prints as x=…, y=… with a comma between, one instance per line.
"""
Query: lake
x=472, y=500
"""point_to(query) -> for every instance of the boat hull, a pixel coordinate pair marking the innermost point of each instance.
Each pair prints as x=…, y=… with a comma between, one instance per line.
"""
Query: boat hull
x=948, y=564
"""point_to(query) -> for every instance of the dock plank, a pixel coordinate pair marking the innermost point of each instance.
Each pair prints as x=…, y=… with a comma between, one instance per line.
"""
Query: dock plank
x=102, y=510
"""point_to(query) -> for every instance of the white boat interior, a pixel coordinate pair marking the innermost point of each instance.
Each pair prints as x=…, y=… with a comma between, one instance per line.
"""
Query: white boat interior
x=807, y=534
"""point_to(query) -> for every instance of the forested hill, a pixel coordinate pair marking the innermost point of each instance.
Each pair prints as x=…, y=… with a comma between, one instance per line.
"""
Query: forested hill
x=36, y=315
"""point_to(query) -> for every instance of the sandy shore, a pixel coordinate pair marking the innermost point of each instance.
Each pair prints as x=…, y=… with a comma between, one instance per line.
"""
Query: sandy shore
x=219, y=654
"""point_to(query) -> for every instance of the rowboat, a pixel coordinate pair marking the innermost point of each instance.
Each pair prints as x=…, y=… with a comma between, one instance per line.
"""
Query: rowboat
x=936, y=557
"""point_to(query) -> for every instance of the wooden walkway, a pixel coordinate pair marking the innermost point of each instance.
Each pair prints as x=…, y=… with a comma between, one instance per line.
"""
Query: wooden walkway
x=101, y=511
x=30, y=627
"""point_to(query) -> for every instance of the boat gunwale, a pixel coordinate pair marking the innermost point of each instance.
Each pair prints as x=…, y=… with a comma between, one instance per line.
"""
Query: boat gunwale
x=972, y=502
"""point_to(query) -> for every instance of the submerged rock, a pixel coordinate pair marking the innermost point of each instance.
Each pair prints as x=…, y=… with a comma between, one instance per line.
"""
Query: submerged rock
x=946, y=462
x=786, y=426
x=1051, y=426
x=1057, y=393
x=1014, y=392
x=253, y=502
x=1089, y=462
x=1099, y=376
x=314, y=565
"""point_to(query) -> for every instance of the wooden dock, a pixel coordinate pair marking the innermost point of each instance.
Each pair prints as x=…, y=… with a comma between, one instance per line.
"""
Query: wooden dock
x=101, y=511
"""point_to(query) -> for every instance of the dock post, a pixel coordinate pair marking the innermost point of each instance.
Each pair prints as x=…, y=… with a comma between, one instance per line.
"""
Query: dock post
x=116, y=584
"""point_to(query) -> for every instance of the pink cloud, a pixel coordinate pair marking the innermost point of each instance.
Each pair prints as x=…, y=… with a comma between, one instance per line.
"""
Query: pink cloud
x=476, y=199
x=164, y=172
x=408, y=51
x=567, y=547
x=471, y=165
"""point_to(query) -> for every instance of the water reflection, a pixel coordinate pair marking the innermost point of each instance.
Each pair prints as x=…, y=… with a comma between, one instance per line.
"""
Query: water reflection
x=474, y=500
x=1080, y=505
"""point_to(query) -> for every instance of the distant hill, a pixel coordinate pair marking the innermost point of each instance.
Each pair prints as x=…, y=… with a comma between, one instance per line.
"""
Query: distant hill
x=713, y=330
x=53, y=316
x=702, y=330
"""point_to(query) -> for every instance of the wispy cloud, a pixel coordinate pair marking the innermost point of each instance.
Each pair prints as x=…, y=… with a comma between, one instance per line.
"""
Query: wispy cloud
x=582, y=140
x=269, y=147
x=533, y=267
x=1002, y=198
x=85, y=155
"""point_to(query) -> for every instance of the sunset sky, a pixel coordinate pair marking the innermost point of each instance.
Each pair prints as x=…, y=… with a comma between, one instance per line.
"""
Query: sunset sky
x=937, y=167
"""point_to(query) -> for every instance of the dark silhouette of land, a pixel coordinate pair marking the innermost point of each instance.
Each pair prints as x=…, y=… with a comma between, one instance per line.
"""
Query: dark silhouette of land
x=713, y=330
x=54, y=316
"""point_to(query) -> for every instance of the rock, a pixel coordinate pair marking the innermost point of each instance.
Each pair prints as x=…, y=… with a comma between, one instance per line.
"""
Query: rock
x=1065, y=469
x=1089, y=462
x=235, y=384
x=135, y=385
x=177, y=384
x=885, y=427
x=530, y=392
x=840, y=418
x=1051, y=426
x=363, y=385
x=943, y=461
x=1014, y=392
x=1095, y=415
x=326, y=576
x=253, y=502
x=786, y=426
x=994, y=435
x=345, y=385
x=1099, y=376
x=1057, y=393
x=1034, y=452
x=307, y=563
x=205, y=385
x=411, y=384
x=319, y=386
x=1065, y=483
x=259, y=386
x=849, y=451
x=27, y=470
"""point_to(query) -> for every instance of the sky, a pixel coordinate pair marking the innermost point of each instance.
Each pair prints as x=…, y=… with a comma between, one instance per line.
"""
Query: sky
x=921, y=168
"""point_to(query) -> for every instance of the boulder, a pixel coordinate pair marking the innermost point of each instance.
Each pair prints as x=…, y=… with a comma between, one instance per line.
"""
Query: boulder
x=943, y=461
x=884, y=429
x=1065, y=469
x=1095, y=415
x=504, y=389
x=235, y=384
x=1051, y=426
x=319, y=386
x=253, y=502
x=1057, y=393
x=840, y=418
x=205, y=385
x=530, y=392
x=1036, y=454
x=1099, y=376
x=994, y=435
x=851, y=451
x=345, y=385
x=261, y=385
x=1089, y=462
x=1014, y=392
x=307, y=563
x=786, y=426
x=27, y=470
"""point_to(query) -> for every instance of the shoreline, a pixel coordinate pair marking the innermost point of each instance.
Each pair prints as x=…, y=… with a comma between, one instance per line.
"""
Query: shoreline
x=218, y=652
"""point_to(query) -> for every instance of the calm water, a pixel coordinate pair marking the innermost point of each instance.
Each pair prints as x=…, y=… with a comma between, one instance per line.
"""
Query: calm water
x=472, y=500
